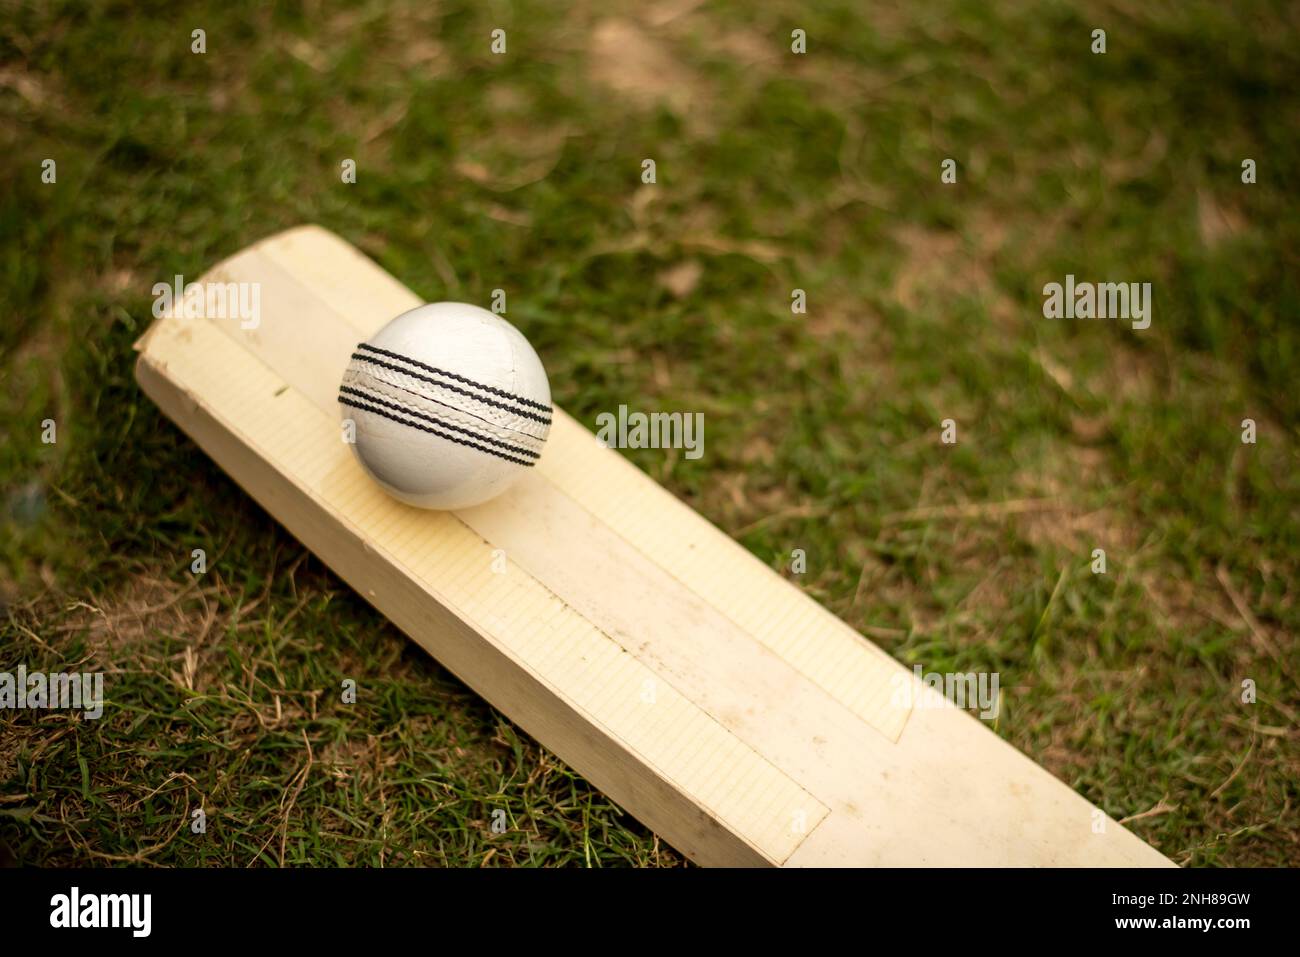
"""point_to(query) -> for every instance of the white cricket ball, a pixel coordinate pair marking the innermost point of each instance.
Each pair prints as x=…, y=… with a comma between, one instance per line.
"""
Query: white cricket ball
x=450, y=405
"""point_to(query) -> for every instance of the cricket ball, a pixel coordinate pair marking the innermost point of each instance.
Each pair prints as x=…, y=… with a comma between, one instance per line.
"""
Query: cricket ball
x=449, y=405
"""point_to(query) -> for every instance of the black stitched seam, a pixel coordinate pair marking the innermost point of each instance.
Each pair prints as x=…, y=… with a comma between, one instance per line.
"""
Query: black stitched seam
x=360, y=357
x=379, y=399
x=459, y=378
x=354, y=404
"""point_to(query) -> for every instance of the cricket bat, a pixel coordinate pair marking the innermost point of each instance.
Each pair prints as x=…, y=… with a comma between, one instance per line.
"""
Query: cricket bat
x=697, y=688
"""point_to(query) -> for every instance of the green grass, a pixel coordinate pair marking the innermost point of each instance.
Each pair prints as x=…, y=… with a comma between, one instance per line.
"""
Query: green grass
x=774, y=172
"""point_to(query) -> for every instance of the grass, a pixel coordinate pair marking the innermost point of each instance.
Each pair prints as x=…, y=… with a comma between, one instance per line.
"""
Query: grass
x=775, y=172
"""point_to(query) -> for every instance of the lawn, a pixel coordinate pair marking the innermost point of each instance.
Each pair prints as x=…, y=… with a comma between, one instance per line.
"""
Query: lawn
x=775, y=171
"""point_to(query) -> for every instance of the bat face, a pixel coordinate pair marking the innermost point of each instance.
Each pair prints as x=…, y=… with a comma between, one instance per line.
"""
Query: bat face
x=450, y=405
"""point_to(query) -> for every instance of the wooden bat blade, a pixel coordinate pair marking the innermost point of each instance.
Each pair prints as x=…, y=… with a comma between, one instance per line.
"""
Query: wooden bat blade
x=700, y=690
